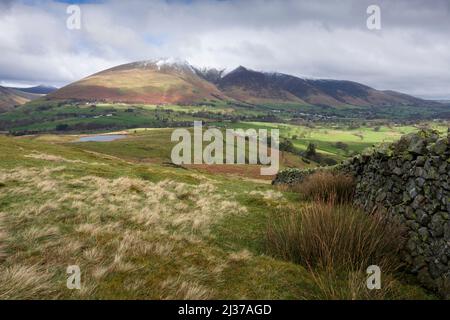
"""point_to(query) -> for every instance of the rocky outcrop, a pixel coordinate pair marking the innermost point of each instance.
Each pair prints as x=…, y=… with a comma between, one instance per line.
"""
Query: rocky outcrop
x=409, y=179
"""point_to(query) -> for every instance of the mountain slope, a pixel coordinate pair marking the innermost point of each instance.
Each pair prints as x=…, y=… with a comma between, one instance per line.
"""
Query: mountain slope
x=254, y=87
x=41, y=89
x=177, y=82
x=152, y=82
x=249, y=85
x=10, y=97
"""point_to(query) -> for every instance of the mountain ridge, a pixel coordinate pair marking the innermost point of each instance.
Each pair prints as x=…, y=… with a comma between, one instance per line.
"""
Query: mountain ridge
x=40, y=89
x=173, y=81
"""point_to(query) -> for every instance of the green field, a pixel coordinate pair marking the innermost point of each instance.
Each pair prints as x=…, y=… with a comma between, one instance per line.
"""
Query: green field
x=42, y=116
x=49, y=116
x=140, y=228
x=326, y=137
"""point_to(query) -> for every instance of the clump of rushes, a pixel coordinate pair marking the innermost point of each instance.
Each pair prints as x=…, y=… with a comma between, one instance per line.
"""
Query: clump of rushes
x=325, y=234
x=326, y=186
x=337, y=242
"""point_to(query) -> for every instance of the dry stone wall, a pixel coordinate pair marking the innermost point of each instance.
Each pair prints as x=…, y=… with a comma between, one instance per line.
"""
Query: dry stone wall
x=409, y=179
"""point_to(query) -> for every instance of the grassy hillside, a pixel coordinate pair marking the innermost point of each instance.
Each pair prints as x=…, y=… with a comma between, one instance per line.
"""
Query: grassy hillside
x=142, y=83
x=140, y=228
x=9, y=98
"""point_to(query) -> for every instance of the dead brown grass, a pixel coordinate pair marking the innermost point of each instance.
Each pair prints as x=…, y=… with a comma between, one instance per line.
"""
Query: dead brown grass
x=109, y=227
x=327, y=235
x=326, y=186
x=337, y=242
x=350, y=285
x=3, y=238
x=23, y=282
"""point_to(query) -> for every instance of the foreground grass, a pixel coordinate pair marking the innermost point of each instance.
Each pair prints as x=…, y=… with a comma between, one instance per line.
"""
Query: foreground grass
x=138, y=229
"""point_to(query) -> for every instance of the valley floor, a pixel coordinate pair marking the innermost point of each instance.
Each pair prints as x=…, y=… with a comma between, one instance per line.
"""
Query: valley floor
x=139, y=228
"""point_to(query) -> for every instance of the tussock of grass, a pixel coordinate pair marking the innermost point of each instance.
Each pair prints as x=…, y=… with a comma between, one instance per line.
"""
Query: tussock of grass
x=268, y=194
x=50, y=157
x=338, y=236
x=177, y=289
x=337, y=242
x=326, y=186
x=243, y=255
x=3, y=238
x=24, y=282
x=351, y=285
x=108, y=227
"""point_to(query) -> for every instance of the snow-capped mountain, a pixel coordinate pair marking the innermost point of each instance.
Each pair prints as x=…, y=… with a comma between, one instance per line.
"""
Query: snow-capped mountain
x=176, y=81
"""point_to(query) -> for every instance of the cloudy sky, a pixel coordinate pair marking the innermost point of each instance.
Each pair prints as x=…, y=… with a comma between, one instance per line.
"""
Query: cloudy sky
x=320, y=39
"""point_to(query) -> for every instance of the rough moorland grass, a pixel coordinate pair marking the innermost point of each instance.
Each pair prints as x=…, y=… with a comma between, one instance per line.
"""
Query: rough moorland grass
x=337, y=242
x=137, y=230
x=339, y=236
x=108, y=227
x=3, y=238
x=326, y=186
x=351, y=285
x=24, y=282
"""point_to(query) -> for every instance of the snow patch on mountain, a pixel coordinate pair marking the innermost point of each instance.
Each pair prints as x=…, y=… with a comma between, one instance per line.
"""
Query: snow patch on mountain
x=175, y=63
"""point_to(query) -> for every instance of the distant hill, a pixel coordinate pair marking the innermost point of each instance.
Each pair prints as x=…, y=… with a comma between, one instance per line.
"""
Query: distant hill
x=177, y=82
x=41, y=89
x=11, y=97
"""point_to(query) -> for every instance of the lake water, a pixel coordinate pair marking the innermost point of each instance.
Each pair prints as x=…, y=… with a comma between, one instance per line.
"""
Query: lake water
x=102, y=138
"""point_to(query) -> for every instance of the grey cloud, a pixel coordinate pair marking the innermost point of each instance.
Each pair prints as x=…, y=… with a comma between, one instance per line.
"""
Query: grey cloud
x=307, y=38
